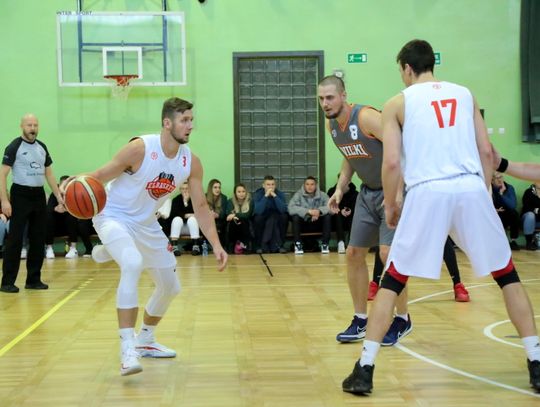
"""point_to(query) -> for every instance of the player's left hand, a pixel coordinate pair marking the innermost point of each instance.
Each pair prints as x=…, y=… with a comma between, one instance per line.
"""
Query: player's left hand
x=392, y=214
x=221, y=257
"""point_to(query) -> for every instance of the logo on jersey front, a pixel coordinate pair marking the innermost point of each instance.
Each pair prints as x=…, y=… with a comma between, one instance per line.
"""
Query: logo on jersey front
x=334, y=133
x=356, y=150
x=154, y=155
x=160, y=186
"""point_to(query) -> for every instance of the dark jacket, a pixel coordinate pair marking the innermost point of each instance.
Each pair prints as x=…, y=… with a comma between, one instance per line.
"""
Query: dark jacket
x=265, y=206
x=530, y=201
x=179, y=209
x=223, y=212
x=240, y=215
x=507, y=200
x=348, y=199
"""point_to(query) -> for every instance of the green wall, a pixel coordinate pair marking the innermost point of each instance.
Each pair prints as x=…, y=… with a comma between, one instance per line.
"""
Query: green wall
x=83, y=127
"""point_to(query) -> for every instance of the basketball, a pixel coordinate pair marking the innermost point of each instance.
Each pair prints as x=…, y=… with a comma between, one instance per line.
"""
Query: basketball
x=85, y=197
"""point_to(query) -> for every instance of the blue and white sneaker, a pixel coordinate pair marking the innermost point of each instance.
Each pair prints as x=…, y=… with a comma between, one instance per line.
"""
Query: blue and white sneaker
x=355, y=331
x=399, y=329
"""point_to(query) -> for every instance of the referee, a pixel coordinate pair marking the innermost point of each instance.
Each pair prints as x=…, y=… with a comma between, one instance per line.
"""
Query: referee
x=30, y=162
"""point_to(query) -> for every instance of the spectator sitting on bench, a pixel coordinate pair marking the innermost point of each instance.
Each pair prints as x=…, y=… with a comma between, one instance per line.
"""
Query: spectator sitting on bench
x=530, y=214
x=239, y=211
x=217, y=202
x=61, y=223
x=270, y=218
x=505, y=202
x=177, y=218
x=309, y=213
x=342, y=220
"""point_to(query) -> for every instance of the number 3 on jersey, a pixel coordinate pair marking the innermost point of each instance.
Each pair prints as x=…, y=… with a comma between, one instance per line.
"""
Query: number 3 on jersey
x=438, y=104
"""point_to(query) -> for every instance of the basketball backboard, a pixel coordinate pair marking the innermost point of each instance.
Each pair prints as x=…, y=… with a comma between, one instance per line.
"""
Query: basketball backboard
x=92, y=45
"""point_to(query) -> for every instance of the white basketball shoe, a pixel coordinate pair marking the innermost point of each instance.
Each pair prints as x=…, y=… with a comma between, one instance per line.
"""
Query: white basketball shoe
x=151, y=349
x=129, y=359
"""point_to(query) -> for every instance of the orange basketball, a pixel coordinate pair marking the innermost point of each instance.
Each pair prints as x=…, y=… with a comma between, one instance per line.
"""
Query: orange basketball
x=85, y=197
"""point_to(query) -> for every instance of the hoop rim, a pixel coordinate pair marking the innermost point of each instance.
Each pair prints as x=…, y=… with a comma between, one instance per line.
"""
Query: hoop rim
x=122, y=79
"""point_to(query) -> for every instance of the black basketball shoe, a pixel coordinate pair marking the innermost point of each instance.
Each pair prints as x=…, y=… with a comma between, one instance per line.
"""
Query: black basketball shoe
x=360, y=381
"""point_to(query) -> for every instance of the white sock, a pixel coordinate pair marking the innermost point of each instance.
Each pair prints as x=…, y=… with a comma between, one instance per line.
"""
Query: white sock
x=361, y=316
x=369, y=353
x=146, y=334
x=532, y=347
x=403, y=316
x=127, y=334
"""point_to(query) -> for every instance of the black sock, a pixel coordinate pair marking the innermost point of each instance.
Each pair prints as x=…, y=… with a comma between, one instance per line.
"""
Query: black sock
x=378, y=267
x=451, y=261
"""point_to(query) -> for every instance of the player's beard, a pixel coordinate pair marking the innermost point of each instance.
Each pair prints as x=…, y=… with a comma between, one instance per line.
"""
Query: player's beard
x=335, y=115
x=177, y=139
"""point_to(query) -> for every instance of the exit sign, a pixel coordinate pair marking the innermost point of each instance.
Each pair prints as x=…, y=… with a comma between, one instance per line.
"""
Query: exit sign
x=437, y=58
x=360, y=58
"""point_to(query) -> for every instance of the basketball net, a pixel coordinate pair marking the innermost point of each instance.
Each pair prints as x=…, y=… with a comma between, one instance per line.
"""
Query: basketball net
x=121, y=89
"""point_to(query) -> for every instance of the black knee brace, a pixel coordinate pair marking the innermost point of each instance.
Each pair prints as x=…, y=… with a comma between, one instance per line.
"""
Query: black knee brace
x=507, y=278
x=391, y=283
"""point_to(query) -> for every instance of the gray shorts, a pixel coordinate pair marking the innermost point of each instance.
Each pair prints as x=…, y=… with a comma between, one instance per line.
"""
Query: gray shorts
x=369, y=225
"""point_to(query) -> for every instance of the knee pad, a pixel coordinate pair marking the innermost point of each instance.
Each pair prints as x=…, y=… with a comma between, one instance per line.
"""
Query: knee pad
x=507, y=275
x=394, y=281
x=131, y=266
x=167, y=287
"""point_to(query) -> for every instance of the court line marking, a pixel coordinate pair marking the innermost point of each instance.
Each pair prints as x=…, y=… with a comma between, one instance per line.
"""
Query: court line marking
x=488, y=331
x=458, y=371
x=41, y=320
x=466, y=374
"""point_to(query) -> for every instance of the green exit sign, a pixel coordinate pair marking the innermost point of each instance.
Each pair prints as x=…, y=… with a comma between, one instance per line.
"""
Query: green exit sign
x=360, y=58
x=437, y=58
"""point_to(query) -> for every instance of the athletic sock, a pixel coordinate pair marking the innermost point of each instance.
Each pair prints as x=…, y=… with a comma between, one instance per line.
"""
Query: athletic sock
x=127, y=334
x=369, y=353
x=532, y=347
x=146, y=334
x=403, y=316
x=361, y=316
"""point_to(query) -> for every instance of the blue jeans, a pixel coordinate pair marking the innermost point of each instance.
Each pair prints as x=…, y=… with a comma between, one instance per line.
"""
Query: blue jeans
x=4, y=228
x=529, y=223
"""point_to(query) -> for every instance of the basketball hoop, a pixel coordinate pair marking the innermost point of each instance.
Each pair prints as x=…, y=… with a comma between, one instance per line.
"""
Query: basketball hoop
x=122, y=88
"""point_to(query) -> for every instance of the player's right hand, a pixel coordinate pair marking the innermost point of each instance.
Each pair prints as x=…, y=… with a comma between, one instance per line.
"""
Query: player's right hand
x=6, y=208
x=392, y=214
x=221, y=257
x=333, y=202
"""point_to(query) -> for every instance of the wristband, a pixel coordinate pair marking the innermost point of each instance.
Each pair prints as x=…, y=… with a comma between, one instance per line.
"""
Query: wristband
x=503, y=165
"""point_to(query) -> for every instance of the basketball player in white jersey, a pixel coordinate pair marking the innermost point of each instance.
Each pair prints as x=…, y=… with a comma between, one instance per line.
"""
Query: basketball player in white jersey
x=143, y=174
x=434, y=134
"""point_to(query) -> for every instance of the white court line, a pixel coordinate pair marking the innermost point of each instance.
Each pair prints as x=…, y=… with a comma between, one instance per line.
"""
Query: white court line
x=461, y=372
x=488, y=332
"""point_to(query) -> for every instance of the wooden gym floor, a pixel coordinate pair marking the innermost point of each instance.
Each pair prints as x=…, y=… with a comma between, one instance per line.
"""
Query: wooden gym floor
x=246, y=338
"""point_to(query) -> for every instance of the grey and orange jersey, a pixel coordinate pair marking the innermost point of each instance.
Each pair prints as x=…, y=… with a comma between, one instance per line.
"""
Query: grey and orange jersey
x=364, y=152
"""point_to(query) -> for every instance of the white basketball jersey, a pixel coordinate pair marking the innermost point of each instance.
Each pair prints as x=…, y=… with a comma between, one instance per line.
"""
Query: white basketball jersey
x=136, y=197
x=438, y=133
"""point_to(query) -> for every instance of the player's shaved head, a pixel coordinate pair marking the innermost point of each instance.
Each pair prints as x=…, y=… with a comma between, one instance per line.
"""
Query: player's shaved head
x=333, y=80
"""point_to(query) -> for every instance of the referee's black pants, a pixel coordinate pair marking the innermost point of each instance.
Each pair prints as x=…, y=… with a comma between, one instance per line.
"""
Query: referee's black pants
x=28, y=205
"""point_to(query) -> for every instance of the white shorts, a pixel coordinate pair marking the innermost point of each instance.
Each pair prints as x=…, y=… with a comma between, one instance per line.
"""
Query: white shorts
x=460, y=207
x=149, y=240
